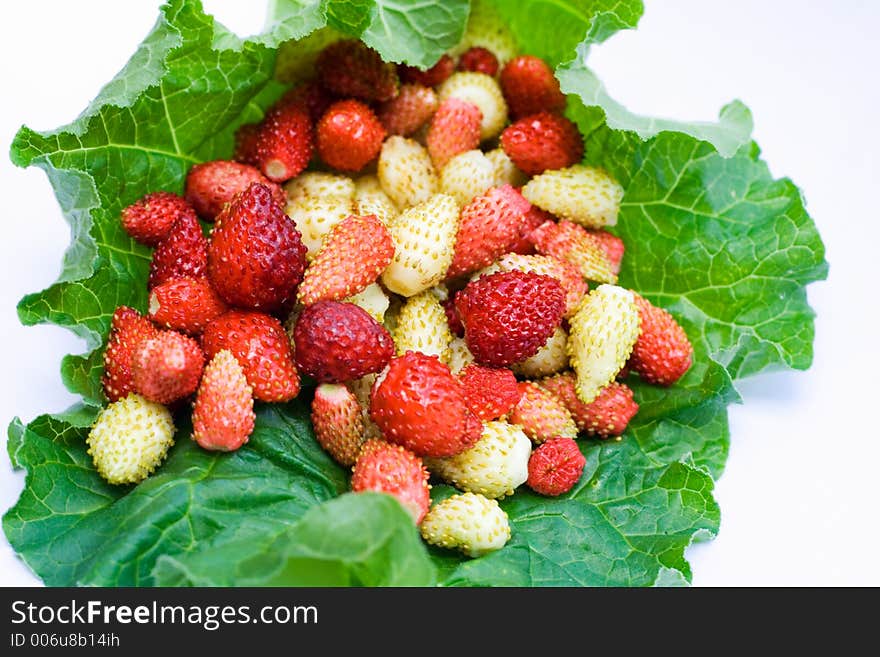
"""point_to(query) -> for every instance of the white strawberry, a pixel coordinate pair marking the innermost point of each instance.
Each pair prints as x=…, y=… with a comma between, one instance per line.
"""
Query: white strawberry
x=466, y=176
x=422, y=326
x=372, y=299
x=314, y=216
x=318, y=184
x=406, y=172
x=467, y=522
x=582, y=194
x=550, y=359
x=370, y=198
x=459, y=355
x=484, y=92
x=505, y=170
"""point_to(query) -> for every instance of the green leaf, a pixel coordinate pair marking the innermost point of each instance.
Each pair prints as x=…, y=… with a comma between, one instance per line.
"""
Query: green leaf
x=710, y=235
x=358, y=539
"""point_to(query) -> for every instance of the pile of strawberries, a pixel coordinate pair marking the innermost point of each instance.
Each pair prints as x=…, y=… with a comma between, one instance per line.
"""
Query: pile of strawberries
x=439, y=299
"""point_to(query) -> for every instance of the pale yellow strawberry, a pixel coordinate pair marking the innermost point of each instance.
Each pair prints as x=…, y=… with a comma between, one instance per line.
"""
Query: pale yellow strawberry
x=582, y=194
x=466, y=176
x=372, y=299
x=406, y=172
x=318, y=184
x=424, y=240
x=459, y=355
x=505, y=171
x=370, y=198
x=484, y=92
x=550, y=359
x=602, y=334
x=468, y=522
x=541, y=415
x=422, y=326
x=495, y=466
x=314, y=216
x=572, y=243
x=486, y=28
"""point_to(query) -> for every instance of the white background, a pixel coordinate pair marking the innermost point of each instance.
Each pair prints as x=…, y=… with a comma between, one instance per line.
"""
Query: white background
x=799, y=497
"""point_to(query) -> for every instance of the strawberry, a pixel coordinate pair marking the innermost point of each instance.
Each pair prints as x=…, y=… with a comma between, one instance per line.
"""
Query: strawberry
x=349, y=68
x=529, y=87
x=256, y=257
x=495, y=466
x=466, y=176
x=370, y=198
x=454, y=129
x=406, y=172
x=452, y=318
x=314, y=217
x=431, y=77
x=211, y=185
x=183, y=253
x=261, y=347
x=459, y=355
x=663, y=353
x=130, y=438
x=582, y=194
x=338, y=421
x=128, y=330
x=351, y=257
x=409, y=111
x=167, y=368
x=484, y=92
x=550, y=359
x=421, y=326
x=490, y=392
x=542, y=141
x=185, y=304
x=612, y=245
x=372, y=299
x=281, y=145
x=555, y=467
x=570, y=242
x=317, y=185
x=603, y=332
x=606, y=416
x=349, y=135
x=506, y=172
x=489, y=225
x=531, y=220
x=424, y=239
x=478, y=60
x=467, y=522
x=541, y=415
x=149, y=219
x=338, y=342
x=394, y=470
x=223, y=415
x=488, y=28
x=508, y=316
x=419, y=404
x=566, y=274
x=310, y=95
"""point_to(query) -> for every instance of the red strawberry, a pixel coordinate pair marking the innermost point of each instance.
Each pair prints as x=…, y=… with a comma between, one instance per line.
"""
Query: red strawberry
x=432, y=77
x=489, y=392
x=555, y=467
x=452, y=317
x=128, y=330
x=409, y=111
x=662, y=353
x=310, y=95
x=349, y=135
x=260, y=344
x=606, y=416
x=419, y=404
x=613, y=246
x=338, y=342
x=529, y=87
x=568, y=241
x=338, y=422
x=256, y=257
x=509, y=316
x=183, y=253
x=167, y=367
x=542, y=141
x=185, y=304
x=533, y=218
x=149, y=220
x=349, y=68
x=223, y=415
x=391, y=469
x=478, y=60
x=454, y=129
x=282, y=143
x=541, y=415
x=211, y=185
x=488, y=226
x=352, y=256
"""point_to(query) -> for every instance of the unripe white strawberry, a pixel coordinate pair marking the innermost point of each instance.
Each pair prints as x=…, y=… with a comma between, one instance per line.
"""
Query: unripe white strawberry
x=370, y=198
x=424, y=240
x=422, y=326
x=466, y=176
x=130, y=439
x=603, y=332
x=459, y=355
x=582, y=194
x=372, y=299
x=496, y=464
x=314, y=216
x=467, y=522
x=486, y=28
x=504, y=170
x=550, y=359
x=484, y=92
x=406, y=172
x=319, y=184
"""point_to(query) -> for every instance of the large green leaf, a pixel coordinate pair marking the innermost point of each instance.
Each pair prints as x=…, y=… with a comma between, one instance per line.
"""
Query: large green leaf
x=709, y=234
